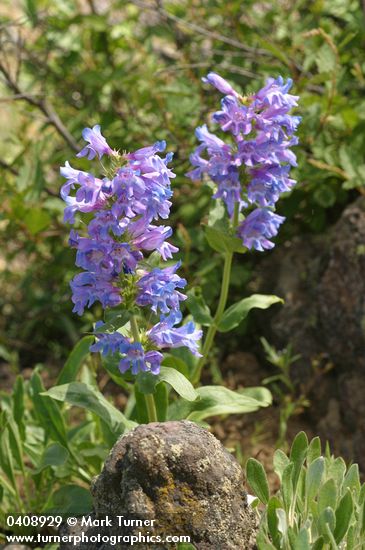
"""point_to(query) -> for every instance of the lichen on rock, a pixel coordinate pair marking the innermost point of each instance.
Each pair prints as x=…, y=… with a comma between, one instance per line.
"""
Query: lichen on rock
x=180, y=475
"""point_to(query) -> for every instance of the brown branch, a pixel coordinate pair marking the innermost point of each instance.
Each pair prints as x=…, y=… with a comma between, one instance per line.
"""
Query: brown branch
x=8, y=167
x=201, y=30
x=41, y=104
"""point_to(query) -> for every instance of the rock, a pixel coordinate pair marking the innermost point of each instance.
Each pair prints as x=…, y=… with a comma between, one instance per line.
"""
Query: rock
x=179, y=475
x=341, y=291
x=322, y=281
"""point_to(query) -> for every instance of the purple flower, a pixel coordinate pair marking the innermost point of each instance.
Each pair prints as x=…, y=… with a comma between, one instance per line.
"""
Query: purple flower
x=132, y=355
x=218, y=82
x=229, y=189
x=259, y=226
x=138, y=360
x=255, y=164
x=88, y=288
x=233, y=117
x=267, y=183
x=107, y=343
x=90, y=194
x=165, y=335
x=114, y=247
x=97, y=144
x=158, y=289
x=275, y=94
x=144, y=152
x=151, y=237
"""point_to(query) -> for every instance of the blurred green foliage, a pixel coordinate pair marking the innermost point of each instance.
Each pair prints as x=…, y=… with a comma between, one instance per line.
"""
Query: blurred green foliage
x=135, y=68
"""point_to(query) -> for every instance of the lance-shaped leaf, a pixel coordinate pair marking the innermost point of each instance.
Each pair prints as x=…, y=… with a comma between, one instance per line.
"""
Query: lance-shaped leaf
x=87, y=397
x=233, y=316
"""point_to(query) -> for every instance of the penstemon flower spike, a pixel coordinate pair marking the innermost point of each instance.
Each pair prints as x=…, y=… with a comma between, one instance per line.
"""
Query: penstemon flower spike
x=254, y=170
x=115, y=249
x=251, y=170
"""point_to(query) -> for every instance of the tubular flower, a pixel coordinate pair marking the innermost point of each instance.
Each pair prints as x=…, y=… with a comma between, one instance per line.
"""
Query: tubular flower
x=113, y=250
x=252, y=170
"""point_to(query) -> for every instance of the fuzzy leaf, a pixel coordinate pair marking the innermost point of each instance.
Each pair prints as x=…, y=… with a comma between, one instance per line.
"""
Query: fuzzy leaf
x=257, y=479
x=343, y=516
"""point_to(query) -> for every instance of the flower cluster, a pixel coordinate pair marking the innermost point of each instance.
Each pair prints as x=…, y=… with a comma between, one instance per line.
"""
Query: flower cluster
x=253, y=168
x=113, y=251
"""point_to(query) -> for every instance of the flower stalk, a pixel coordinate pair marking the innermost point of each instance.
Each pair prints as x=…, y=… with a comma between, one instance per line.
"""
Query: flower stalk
x=148, y=397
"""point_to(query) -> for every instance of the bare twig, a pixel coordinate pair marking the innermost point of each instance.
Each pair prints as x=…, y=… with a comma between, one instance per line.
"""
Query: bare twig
x=201, y=30
x=8, y=167
x=41, y=104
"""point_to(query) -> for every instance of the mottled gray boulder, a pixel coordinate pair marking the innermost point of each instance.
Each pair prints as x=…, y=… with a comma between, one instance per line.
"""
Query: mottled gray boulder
x=179, y=475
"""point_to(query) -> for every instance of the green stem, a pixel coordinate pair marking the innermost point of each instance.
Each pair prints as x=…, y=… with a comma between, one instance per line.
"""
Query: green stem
x=151, y=407
x=134, y=329
x=209, y=339
x=149, y=399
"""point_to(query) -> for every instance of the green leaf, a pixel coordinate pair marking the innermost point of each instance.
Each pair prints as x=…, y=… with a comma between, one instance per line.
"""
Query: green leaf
x=318, y=544
x=217, y=215
x=325, y=59
x=343, y=516
x=287, y=486
x=179, y=382
x=15, y=442
x=282, y=521
x=298, y=454
x=31, y=11
x=47, y=411
x=146, y=382
x=176, y=363
x=115, y=319
x=327, y=517
x=274, y=49
x=272, y=520
x=6, y=458
x=314, y=450
x=36, y=220
x=336, y=468
x=54, y=455
x=280, y=462
x=350, y=540
x=70, y=500
x=198, y=308
x=327, y=497
x=302, y=540
x=313, y=478
x=261, y=394
x=217, y=400
x=257, y=479
x=222, y=242
x=233, y=316
x=18, y=405
x=325, y=196
x=75, y=360
x=352, y=479
x=362, y=519
x=263, y=543
x=87, y=397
